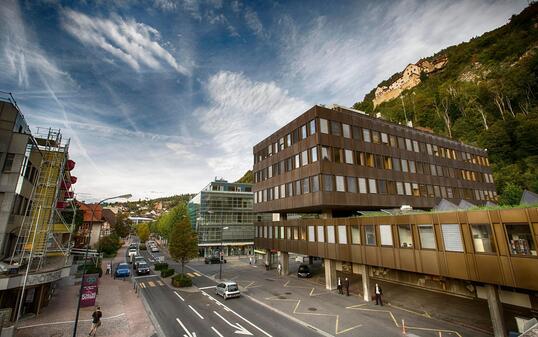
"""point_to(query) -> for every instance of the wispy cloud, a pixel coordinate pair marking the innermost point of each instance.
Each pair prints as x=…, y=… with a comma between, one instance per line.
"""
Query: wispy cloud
x=253, y=22
x=134, y=43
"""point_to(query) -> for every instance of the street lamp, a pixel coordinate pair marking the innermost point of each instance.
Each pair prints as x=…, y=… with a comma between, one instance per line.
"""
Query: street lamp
x=123, y=196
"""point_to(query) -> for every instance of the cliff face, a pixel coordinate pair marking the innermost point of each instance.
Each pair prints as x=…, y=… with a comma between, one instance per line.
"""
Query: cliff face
x=486, y=95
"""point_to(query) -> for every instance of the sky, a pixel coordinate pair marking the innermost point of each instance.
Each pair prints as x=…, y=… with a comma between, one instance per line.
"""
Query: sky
x=159, y=97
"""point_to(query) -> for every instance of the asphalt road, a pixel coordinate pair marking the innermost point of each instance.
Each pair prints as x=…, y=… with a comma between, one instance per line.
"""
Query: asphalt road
x=202, y=313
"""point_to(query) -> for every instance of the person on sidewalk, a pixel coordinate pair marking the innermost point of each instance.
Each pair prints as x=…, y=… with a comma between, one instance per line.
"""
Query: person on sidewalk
x=279, y=269
x=378, y=294
x=339, y=287
x=346, y=284
x=96, y=321
x=250, y=260
x=108, y=268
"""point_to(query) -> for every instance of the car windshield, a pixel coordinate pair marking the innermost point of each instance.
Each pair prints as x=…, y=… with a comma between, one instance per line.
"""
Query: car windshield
x=303, y=269
x=123, y=266
x=142, y=265
x=232, y=287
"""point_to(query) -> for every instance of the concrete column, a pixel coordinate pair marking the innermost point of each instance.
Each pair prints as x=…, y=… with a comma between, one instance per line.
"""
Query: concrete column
x=364, y=271
x=330, y=274
x=267, y=257
x=284, y=260
x=495, y=310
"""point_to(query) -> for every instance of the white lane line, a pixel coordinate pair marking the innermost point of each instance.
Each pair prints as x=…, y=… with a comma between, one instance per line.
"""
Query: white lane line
x=178, y=295
x=217, y=332
x=145, y=276
x=210, y=287
x=184, y=328
x=196, y=312
x=244, y=319
x=239, y=329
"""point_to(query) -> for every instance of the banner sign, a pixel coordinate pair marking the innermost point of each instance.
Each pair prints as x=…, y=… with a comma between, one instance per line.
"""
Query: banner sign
x=89, y=290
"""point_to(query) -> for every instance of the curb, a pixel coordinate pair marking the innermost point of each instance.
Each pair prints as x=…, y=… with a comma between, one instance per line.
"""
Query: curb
x=296, y=320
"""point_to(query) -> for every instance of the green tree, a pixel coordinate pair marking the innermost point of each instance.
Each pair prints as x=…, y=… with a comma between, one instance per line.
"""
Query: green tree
x=123, y=225
x=143, y=232
x=183, y=242
x=109, y=245
x=511, y=195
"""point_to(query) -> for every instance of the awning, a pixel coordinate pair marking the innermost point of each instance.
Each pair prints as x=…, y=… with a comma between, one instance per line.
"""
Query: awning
x=262, y=252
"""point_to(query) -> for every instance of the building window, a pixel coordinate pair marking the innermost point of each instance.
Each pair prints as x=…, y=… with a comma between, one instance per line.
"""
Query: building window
x=297, y=161
x=270, y=236
x=427, y=236
x=452, y=237
x=399, y=188
x=396, y=164
x=289, y=190
x=346, y=130
x=311, y=234
x=297, y=187
x=335, y=128
x=312, y=126
x=282, y=232
x=407, y=188
x=321, y=234
x=405, y=236
x=304, y=157
x=382, y=184
x=356, y=132
x=482, y=238
x=327, y=183
x=351, y=184
x=408, y=145
x=303, y=132
x=8, y=163
x=306, y=186
x=288, y=140
x=303, y=233
x=384, y=138
x=372, y=186
x=330, y=234
x=314, y=154
x=376, y=138
x=416, y=191
x=412, y=167
x=325, y=153
x=338, y=158
x=355, y=235
x=340, y=184
x=369, y=231
x=415, y=146
x=370, y=160
x=348, y=154
x=295, y=233
x=323, y=126
x=392, y=141
x=387, y=163
x=385, y=232
x=288, y=233
x=366, y=135
x=342, y=235
x=315, y=183
x=404, y=166
x=362, y=185
x=520, y=239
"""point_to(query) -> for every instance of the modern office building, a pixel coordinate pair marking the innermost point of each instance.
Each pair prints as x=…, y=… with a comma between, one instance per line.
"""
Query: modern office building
x=336, y=164
x=35, y=193
x=222, y=214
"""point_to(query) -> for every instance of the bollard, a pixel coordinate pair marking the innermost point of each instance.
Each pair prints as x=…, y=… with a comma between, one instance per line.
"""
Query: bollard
x=403, y=326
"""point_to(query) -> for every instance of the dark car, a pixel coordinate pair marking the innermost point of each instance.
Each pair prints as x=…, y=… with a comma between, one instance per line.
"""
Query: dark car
x=304, y=271
x=122, y=270
x=142, y=269
x=212, y=260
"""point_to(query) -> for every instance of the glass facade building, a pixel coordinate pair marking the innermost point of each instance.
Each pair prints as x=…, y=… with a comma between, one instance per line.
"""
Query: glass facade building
x=224, y=205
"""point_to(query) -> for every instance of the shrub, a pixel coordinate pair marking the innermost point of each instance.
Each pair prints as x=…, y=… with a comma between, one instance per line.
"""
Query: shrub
x=167, y=272
x=142, y=246
x=109, y=245
x=161, y=266
x=90, y=269
x=181, y=280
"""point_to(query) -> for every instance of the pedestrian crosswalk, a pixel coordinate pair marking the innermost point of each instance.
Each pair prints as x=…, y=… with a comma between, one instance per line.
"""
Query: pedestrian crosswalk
x=194, y=274
x=151, y=284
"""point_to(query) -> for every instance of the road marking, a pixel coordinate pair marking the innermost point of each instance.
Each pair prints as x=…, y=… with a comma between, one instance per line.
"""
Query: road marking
x=151, y=284
x=197, y=274
x=210, y=287
x=244, y=319
x=142, y=285
x=191, y=275
x=217, y=332
x=240, y=330
x=186, y=331
x=196, y=312
x=178, y=295
x=68, y=322
x=160, y=282
x=425, y=314
x=145, y=276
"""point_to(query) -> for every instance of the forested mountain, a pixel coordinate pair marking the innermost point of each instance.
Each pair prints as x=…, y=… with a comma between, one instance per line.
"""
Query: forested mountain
x=486, y=95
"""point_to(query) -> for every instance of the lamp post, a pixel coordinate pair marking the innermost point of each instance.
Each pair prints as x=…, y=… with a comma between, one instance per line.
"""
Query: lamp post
x=123, y=196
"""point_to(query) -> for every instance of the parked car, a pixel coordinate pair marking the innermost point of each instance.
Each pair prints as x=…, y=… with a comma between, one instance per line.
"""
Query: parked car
x=122, y=270
x=154, y=249
x=137, y=260
x=227, y=290
x=213, y=259
x=132, y=253
x=143, y=268
x=304, y=271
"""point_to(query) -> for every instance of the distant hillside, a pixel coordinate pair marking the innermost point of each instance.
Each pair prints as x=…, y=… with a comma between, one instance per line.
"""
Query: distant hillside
x=486, y=95
x=247, y=178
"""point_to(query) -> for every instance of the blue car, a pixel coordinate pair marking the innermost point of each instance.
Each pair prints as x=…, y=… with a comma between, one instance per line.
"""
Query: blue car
x=122, y=270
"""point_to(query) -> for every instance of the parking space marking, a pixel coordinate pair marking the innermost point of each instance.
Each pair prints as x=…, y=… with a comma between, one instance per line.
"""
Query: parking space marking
x=178, y=295
x=196, y=312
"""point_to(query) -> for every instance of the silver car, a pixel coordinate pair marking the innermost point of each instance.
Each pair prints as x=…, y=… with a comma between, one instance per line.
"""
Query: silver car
x=227, y=290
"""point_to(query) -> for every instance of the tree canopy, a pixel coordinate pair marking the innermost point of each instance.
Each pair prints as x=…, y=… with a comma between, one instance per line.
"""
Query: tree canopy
x=183, y=242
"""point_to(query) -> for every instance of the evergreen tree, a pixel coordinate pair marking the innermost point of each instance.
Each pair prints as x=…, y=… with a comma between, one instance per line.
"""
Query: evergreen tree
x=183, y=242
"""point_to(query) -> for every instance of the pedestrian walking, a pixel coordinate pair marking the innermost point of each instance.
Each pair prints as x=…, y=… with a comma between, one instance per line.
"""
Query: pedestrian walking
x=108, y=268
x=378, y=294
x=279, y=269
x=346, y=284
x=96, y=321
x=250, y=260
x=339, y=287
x=266, y=265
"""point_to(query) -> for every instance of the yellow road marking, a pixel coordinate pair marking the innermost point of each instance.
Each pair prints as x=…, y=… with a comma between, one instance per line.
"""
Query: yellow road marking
x=425, y=314
x=190, y=274
x=142, y=285
x=312, y=289
x=160, y=282
x=195, y=273
x=151, y=284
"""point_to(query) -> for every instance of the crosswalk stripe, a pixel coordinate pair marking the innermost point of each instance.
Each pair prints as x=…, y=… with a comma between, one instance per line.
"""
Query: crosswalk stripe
x=190, y=274
x=142, y=285
x=160, y=283
x=151, y=284
x=195, y=273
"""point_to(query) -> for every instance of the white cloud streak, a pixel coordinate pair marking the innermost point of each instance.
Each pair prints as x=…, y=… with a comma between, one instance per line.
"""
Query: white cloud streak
x=253, y=22
x=134, y=43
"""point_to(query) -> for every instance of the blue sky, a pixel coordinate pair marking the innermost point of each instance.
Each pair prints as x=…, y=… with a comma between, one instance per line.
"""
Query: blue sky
x=161, y=96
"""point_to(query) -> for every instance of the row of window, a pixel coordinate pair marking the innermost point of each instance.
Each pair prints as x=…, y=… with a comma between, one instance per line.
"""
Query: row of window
x=368, y=136
x=351, y=157
x=519, y=236
x=21, y=205
x=332, y=183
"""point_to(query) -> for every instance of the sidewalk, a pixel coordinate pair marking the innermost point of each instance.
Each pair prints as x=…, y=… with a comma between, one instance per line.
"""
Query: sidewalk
x=123, y=312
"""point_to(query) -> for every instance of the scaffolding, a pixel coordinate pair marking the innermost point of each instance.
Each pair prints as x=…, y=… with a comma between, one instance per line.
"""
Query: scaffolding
x=43, y=224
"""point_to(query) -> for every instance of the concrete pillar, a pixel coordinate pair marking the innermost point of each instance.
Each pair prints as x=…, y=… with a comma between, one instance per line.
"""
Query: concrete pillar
x=284, y=260
x=330, y=274
x=364, y=271
x=267, y=261
x=495, y=310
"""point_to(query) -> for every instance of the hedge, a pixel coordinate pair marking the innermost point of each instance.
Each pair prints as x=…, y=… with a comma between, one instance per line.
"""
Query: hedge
x=167, y=272
x=181, y=280
x=161, y=266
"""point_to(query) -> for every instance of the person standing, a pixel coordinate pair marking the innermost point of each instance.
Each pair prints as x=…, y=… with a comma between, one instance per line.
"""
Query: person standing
x=96, y=321
x=279, y=269
x=250, y=260
x=109, y=268
x=378, y=294
x=339, y=287
x=346, y=284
